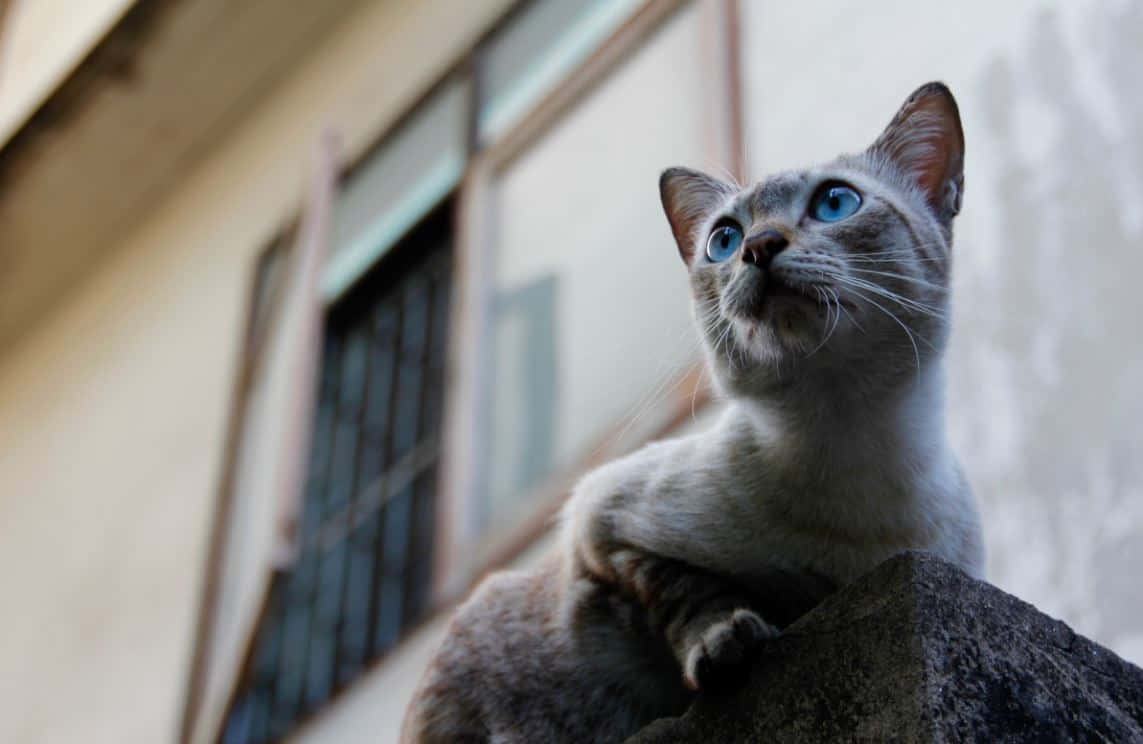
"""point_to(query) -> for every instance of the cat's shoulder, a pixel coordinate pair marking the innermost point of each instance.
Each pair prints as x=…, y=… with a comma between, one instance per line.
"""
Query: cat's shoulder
x=731, y=436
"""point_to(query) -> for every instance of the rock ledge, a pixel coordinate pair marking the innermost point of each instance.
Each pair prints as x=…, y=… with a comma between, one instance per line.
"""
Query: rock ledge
x=918, y=651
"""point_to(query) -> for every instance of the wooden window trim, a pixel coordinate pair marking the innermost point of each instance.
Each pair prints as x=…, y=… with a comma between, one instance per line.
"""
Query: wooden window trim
x=311, y=250
x=201, y=722
x=732, y=85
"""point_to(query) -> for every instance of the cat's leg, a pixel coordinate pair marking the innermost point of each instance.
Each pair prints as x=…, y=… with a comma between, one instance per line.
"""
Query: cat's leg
x=648, y=526
x=705, y=618
x=707, y=621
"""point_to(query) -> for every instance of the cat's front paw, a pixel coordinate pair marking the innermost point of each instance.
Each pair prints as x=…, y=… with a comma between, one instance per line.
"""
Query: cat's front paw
x=721, y=653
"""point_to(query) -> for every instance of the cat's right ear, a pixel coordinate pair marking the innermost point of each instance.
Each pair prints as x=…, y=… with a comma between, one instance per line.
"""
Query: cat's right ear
x=925, y=141
x=689, y=197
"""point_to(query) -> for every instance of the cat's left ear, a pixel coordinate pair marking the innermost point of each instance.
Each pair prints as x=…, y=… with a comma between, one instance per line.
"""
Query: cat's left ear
x=689, y=197
x=925, y=141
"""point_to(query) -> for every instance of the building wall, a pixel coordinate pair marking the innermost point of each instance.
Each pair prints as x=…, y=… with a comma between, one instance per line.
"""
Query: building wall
x=113, y=412
x=1045, y=363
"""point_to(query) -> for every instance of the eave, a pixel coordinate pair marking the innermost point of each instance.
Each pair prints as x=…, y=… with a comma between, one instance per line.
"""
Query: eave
x=151, y=99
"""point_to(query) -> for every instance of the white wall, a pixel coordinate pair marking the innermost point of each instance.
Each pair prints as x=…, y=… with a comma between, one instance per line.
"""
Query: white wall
x=1046, y=359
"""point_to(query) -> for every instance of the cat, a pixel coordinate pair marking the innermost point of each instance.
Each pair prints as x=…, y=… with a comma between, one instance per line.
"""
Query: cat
x=821, y=297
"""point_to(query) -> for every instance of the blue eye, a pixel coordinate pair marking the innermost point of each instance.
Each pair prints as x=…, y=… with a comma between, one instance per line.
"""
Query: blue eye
x=834, y=203
x=723, y=242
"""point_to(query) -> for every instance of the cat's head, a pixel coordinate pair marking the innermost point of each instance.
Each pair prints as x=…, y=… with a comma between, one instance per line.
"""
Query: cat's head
x=841, y=267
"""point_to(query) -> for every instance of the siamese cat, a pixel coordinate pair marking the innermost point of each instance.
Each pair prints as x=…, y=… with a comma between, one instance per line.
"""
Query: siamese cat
x=822, y=299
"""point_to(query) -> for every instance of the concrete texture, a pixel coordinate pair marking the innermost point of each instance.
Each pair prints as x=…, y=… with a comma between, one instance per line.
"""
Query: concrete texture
x=917, y=651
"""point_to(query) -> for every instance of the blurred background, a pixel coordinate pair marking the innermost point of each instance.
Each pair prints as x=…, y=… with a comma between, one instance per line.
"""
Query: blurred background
x=311, y=311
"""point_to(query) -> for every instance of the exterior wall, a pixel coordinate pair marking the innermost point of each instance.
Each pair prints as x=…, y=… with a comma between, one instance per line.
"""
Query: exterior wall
x=113, y=412
x=1045, y=363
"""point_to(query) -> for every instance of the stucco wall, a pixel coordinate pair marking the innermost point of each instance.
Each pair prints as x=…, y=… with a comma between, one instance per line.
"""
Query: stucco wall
x=113, y=412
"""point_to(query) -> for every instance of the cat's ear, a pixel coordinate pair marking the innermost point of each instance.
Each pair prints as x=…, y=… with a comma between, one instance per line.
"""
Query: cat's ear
x=925, y=141
x=688, y=198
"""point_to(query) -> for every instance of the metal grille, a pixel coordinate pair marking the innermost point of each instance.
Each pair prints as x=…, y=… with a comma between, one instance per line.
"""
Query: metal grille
x=363, y=572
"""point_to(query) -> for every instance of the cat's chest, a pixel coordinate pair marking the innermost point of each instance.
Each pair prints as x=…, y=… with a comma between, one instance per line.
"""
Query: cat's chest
x=838, y=529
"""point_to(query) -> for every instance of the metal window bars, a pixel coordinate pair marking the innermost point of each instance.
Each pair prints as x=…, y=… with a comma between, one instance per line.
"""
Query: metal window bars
x=363, y=571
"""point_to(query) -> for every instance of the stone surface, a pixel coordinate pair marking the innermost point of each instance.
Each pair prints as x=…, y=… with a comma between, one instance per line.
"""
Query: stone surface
x=917, y=651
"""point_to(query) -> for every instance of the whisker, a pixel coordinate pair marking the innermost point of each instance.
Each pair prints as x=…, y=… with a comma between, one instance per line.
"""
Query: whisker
x=728, y=176
x=669, y=380
x=905, y=328
x=695, y=389
x=836, y=316
x=905, y=302
x=903, y=277
x=830, y=327
x=841, y=307
x=720, y=342
x=879, y=256
x=887, y=260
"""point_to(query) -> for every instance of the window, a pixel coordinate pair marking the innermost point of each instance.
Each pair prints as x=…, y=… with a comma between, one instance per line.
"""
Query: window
x=412, y=170
x=361, y=577
x=524, y=59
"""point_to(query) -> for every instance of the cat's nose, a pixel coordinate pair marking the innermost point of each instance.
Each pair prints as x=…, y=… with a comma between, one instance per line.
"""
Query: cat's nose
x=760, y=249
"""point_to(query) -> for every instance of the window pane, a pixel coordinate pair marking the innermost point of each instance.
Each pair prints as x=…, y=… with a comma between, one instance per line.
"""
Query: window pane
x=395, y=540
x=592, y=307
x=541, y=44
x=354, y=641
x=291, y=673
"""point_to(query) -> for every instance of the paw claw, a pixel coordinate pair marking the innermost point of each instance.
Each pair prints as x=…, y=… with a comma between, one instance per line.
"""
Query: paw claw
x=749, y=629
x=724, y=648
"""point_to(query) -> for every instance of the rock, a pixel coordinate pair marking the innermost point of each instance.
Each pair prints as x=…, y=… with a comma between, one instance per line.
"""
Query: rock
x=918, y=651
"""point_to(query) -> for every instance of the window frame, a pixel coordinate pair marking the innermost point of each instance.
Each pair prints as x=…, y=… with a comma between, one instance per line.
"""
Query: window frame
x=333, y=530
x=204, y=714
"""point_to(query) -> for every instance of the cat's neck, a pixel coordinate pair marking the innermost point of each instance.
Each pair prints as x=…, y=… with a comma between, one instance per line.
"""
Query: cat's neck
x=824, y=425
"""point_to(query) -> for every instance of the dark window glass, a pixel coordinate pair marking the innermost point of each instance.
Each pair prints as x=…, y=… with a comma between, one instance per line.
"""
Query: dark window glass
x=363, y=573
